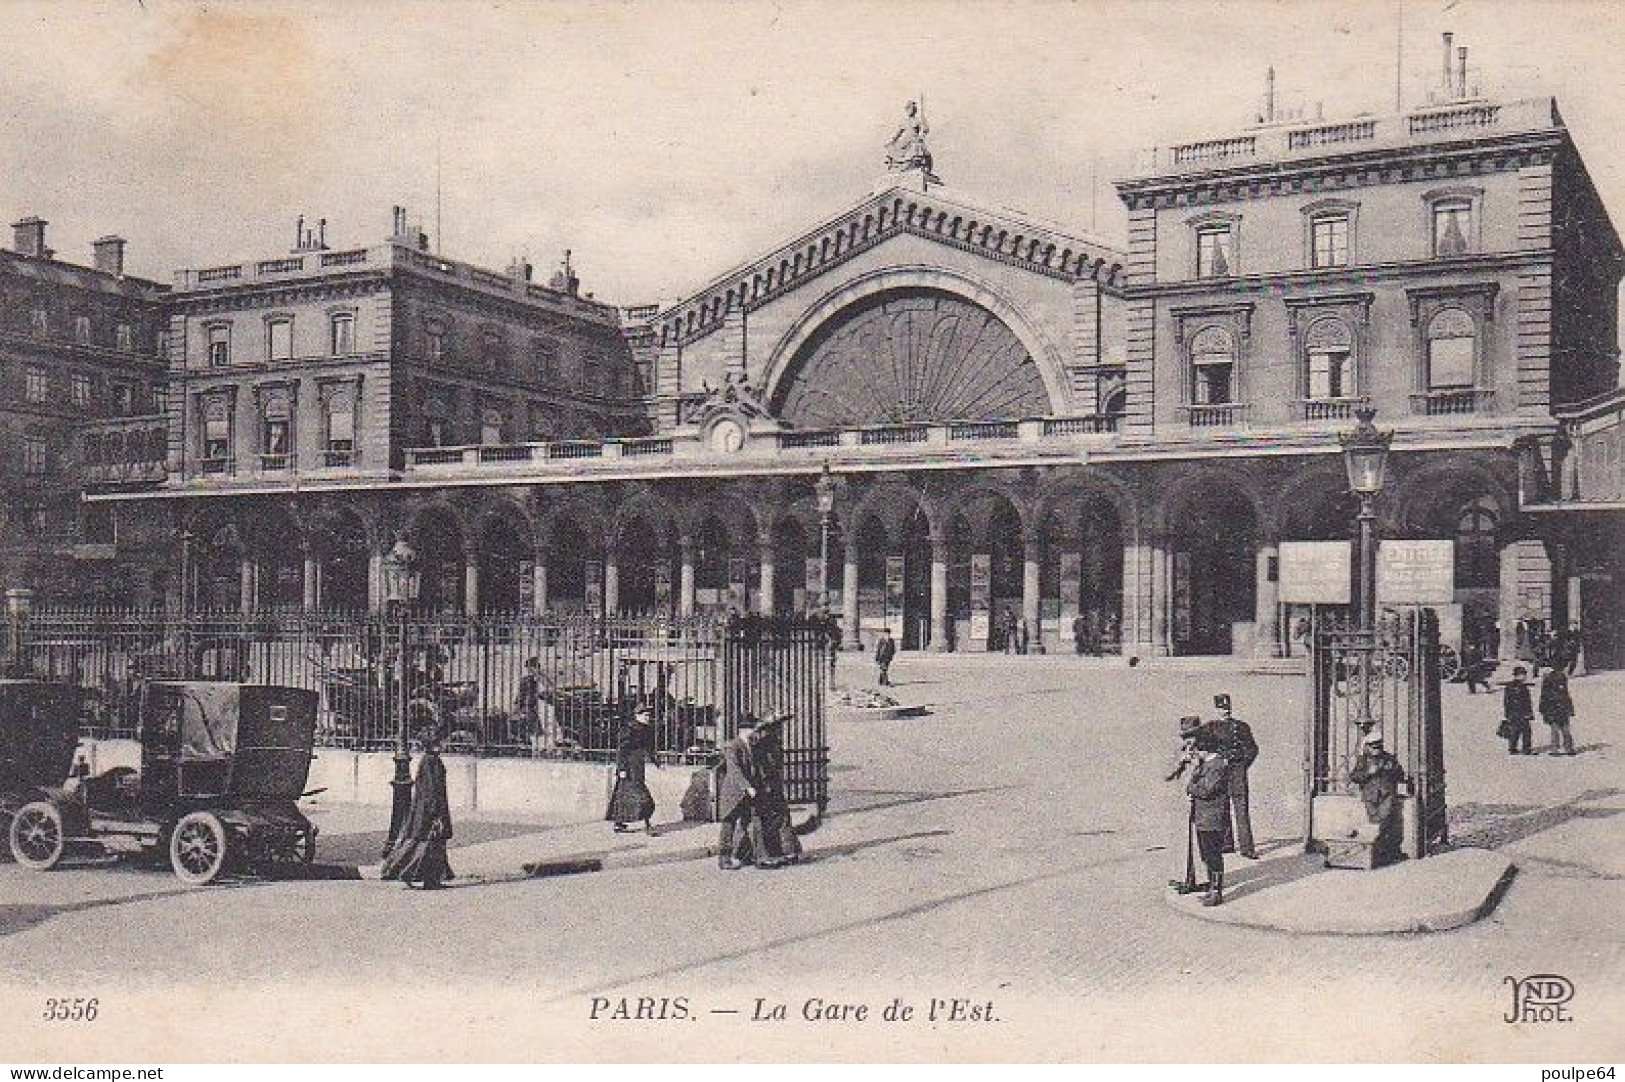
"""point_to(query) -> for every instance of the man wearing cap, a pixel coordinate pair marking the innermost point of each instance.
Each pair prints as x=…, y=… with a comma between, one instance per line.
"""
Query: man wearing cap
x=736, y=795
x=1189, y=727
x=1378, y=774
x=1239, y=749
x=1209, y=810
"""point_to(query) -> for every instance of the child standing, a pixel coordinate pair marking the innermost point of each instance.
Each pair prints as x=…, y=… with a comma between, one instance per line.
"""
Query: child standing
x=1517, y=713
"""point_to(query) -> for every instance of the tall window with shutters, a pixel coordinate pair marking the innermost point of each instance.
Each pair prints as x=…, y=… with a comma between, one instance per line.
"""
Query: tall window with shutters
x=1329, y=360
x=1213, y=367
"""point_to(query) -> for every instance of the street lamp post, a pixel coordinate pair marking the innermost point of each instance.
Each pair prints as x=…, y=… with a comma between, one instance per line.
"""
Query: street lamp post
x=1365, y=454
x=400, y=591
x=825, y=490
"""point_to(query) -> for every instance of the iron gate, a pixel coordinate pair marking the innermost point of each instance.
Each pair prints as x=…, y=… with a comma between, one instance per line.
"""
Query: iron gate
x=500, y=685
x=1389, y=679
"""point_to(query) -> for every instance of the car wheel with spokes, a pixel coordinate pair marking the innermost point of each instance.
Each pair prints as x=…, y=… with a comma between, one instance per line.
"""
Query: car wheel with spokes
x=39, y=838
x=198, y=848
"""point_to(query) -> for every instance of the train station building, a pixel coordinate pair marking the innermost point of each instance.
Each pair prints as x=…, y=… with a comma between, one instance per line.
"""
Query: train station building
x=1019, y=421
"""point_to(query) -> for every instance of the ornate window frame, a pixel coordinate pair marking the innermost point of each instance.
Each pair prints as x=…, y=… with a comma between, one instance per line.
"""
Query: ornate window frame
x=1213, y=222
x=1473, y=196
x=1477, y=301
x=210, y=327
x=1326, y=210
x=277, y=400
x=333, y=395
x=343, y=313
x=273, y=320
x=1304, y=314
x=1236, y=321
x=216, y=402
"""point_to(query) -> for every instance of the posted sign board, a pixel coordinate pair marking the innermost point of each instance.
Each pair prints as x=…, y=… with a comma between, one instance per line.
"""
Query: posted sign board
x=1416, y=572
x=1315, y=572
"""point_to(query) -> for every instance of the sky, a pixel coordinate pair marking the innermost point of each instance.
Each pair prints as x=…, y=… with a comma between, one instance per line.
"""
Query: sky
x=665, y=143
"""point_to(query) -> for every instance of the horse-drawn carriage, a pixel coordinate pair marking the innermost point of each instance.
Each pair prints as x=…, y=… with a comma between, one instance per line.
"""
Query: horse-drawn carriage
x=223, y=766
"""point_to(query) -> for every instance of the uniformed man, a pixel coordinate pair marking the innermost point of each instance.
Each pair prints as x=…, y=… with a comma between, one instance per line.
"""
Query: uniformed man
x=1239, y=749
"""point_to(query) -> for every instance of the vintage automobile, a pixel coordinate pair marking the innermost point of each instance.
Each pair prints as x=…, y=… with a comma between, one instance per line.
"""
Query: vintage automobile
x=39, y=730
x=223, y=766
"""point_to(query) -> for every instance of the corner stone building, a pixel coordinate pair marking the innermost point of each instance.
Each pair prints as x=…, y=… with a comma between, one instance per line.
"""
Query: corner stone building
x=1023, y=423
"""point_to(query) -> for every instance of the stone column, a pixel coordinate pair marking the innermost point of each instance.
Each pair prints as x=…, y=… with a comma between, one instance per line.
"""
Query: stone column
x=1161, y=598
x=764, y=577
x=471, y=585
x=312, y=582
x=1030, y=608
x=685, y=585
x=1266, y=604
x=538, y=580
x=939, y=594
x=849, y=596
x=248, y=572
x=612, y=584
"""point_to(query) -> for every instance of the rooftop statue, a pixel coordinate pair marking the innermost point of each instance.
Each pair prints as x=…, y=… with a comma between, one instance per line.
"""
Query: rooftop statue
x=907, y=149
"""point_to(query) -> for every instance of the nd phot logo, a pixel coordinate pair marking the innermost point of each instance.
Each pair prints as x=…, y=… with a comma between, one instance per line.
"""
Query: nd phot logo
x=1540, y=998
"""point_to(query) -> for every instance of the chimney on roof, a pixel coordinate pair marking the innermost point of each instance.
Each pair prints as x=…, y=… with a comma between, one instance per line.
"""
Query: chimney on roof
x=1269, y=95
x=28, y=237
x=109, y=255
x=1461, y=72
x=1449, y=80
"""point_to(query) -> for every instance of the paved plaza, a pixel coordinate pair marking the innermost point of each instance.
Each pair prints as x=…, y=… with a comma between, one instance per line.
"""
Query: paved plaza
x=1010, y=847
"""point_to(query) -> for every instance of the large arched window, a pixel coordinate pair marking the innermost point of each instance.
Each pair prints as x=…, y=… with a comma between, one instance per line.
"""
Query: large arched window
x=1452, y=351
x=1213, y=367
x=1329, y=360
x=1478, y=563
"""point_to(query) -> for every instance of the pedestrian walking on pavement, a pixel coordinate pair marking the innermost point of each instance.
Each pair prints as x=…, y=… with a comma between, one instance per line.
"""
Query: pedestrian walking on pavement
x=1557, y=710
x=419, y=852
x=1517, y=713
x=773, y=838
x=630, y=799
x=1235, y=742
x=885, y=651
x=1474, y=669
x=1210, y=811
x=736, y=795
x=832, y=640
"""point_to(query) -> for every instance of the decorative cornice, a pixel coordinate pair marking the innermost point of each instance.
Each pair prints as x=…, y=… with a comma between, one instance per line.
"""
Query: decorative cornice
x=1482, y=292
x=987, y=233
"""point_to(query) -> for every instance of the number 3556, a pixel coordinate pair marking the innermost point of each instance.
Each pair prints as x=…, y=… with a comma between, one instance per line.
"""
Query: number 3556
x=70, y=1010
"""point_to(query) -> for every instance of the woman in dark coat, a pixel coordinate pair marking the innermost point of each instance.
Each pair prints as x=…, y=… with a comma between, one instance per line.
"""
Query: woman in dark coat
x=631, y=800
x=773, y=837
x=1557, y=709
x=419, y=854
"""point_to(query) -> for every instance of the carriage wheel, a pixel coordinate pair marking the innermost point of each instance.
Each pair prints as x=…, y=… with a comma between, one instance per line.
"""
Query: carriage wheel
x=39, y=838
x=1449, y=664
x=198, y=848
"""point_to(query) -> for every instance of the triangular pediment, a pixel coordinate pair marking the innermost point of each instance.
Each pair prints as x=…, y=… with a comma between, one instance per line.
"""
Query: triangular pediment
x=938, y=214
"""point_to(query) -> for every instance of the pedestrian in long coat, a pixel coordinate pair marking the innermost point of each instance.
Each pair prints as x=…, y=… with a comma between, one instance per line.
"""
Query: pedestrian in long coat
x=773, y=838
x=1235, y=742
x=419, y=852
x=885, y=652
x=1210, y=811
x=736, y=795
x=1557, y=710
x=1517, y=712
x=630, y=799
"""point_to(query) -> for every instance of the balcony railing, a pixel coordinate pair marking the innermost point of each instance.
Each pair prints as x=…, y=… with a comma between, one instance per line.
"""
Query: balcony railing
x=1357, y=131
x=273, y=463
x=509, y=452
x=1103, y=424
x=1472, y=116
x=335, y=459
x=216, y=467
x=985, y=430
x=1216, y=414
x=1328, y=409
x=888, y=435
x=792, y=440
x=1215, y=150
x=575, y=449
x=434, y=456
x=647, y=448
x=1450, y=402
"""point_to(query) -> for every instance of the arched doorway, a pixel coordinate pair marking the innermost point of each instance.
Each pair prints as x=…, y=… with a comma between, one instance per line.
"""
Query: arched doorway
x=438, y=542
x=1212, y=582
x=648, y=560
x=506, y=561
x=219, y=585
x=568, y=553
x=791, y=588
x=1081, y=574
x=279, y=561
x=338, y=540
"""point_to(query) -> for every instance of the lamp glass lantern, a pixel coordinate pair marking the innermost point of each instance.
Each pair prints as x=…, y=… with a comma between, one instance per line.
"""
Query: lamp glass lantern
x=400, y=574
x=1365, y=453
x=824, y=488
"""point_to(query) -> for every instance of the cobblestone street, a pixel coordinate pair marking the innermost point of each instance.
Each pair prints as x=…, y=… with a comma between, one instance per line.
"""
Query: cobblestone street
x=1011, y=847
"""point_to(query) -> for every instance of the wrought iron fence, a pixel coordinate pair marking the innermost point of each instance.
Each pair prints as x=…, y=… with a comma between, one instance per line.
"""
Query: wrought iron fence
x=1389, y=680
x=503, y=685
